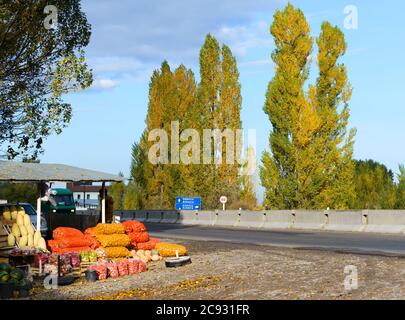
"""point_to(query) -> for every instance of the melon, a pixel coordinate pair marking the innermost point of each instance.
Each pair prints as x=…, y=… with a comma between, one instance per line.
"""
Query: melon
x=15, y=229
x=7, y=214
x=30, y=240
x=42, y=244
x=20, y=220
x=23, y=230
x=27, y=221
x=11, y=240
x=37, y=237
x=30, y=230
x=23, y=241
x=13, y=212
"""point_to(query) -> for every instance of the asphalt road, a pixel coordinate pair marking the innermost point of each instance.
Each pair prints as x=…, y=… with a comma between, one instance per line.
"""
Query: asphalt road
x=359, y=243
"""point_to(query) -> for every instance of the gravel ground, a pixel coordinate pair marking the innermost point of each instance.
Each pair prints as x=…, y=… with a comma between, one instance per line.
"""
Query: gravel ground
x=233, y=271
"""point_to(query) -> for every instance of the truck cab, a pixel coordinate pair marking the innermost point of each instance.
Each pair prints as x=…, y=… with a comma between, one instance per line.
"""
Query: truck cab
x=60, y=201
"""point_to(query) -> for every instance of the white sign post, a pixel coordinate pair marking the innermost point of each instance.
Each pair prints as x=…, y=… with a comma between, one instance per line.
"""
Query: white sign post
x=223, y=200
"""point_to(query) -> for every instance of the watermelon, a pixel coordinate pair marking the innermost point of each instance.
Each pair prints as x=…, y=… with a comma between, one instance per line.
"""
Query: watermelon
x=25, y=284
x=5, y=267
x=13, y=281
x=17, y=274
x=4, y=278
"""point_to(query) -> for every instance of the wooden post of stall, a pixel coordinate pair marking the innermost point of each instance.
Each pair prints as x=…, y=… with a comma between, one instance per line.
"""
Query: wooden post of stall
x=39, y=185
x=103, y=204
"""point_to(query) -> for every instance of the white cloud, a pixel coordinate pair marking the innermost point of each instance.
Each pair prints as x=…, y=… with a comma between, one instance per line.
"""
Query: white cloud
x=241, y=38
x=104, y=84
x=132, y=37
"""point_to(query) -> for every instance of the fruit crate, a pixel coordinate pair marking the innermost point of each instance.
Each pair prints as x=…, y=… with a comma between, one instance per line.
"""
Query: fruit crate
x=76, y=272
x=5, y=249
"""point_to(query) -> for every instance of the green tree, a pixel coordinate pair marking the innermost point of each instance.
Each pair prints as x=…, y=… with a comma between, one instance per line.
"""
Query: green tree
x=248, y=200
x=336, y=188
x=134, y=197
x=19, y=192
x=374, y=186
x=286, y=105
x=171, y=99
x=310, y=164
x=117, y=192
x=218, y=107
x=401, y=188
x=37, y=66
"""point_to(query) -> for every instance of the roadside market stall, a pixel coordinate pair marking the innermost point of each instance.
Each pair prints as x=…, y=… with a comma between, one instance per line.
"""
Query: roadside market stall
x=41, y=173
x=106, y=250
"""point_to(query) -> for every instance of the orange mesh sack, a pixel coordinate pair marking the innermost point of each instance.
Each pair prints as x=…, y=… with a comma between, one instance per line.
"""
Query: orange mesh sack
x=117, y=252
x=106, y=228
x=63, y=232
x=145, y=245
x=72, y=242
x=76, y=249
x=90, y=232
x=139, y=237
x=113, y=240
x=169, y=249
x=133, y=226
x=94, y=243
x=53, y=245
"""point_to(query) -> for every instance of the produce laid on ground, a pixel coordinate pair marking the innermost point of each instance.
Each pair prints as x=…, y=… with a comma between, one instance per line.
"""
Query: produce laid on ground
x=105, y=251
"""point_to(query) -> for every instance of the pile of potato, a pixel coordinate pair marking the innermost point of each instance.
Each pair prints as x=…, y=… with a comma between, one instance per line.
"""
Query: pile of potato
x=146, y=255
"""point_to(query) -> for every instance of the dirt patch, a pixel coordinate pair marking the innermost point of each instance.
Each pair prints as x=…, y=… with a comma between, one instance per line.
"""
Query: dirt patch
x=234, y=271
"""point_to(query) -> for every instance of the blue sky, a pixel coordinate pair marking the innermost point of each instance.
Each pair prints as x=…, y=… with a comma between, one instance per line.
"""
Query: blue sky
x=131, y=38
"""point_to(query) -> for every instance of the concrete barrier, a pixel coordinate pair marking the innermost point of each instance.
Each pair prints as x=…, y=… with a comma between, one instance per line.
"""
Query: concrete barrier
x=351, y=221
x=278, y=219
x=226, y=219
x=140, y=216
x=309, y=220
x=170, y=217
x=154, y=216
x=127, y=215
x=188, y=218
x=385, y=221
x=378, y=221
x=206, y=218
x=249, y=219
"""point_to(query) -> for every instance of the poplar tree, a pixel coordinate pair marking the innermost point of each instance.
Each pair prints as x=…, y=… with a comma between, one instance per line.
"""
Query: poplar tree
x=286, y=105
x=248, y=198
x=207, y=106
x=171, y=98
x=310, y=165
x=219, y=103
x=401, y=188
x=333, y=92
x=117, y=192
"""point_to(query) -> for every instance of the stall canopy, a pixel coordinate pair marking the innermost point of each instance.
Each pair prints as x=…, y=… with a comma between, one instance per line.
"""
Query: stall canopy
x=11, y=171
x=44, y=172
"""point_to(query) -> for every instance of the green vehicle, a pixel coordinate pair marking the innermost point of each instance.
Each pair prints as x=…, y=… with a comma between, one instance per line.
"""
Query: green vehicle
x=60, y=201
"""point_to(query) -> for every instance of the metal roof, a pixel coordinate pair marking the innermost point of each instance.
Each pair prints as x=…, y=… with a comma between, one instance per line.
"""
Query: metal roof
x=44, y=172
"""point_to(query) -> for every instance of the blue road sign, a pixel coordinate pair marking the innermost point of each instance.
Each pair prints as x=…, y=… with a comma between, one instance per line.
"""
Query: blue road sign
x=188, y=203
